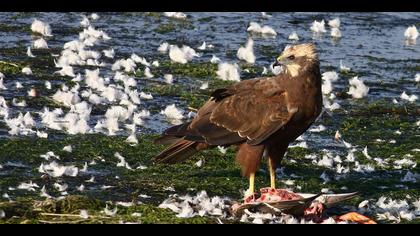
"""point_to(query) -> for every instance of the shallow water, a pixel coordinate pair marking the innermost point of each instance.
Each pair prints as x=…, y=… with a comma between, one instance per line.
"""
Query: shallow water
x=372, y=45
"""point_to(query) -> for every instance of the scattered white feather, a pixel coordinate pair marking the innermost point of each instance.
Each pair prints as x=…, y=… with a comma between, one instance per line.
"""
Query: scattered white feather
x=405, y=162
x=40, y=44
x=335, y=33
x=110, y=53
x=318, y=129
x=27, y=71
x=147, y=73
x=410, y=98
x=204, y=86
x=44, y=193
x=215, y=60
x=326, y=161
x=2, y=86
x=227, y=71
x=334, y=23
x=163, y=48
x=318, y=27
x=203, y=46
x=265, y=15
x=68, y=148
x=199, y=163
x=85, y=22
x=17, y=103
x=18, y=85
x=365, y=152
x=357, y=88
x=30, y=186
x=411, y=33
x=80, y=188
x=169, y=79
x=147, y=96
x=41, y=134
x=29, y=52
x=176, y=15
x=41, y=28
x=122, y=162
x=182, y=55
x=94, y=16
x=344, y=68
x=155, y=63
x=172, y=113
x=109, y=212
x=140, y=60
x=132, y=139
x=293, y=36
x=222, y=150
x=327, y=79
x=55, y=170
x=61, y=187
x=265, y=30
x=84, y=214
x=247, y=53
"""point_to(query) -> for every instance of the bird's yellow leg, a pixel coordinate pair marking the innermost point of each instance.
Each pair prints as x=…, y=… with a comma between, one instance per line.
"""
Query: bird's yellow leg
x=251, y=189
x=272, y=175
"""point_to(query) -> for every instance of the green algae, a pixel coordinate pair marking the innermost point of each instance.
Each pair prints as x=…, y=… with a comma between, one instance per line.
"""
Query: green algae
x=219, y=175
x=10, y=68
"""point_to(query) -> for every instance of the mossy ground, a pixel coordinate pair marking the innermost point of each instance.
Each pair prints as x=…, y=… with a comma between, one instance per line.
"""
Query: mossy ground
x=219, y=175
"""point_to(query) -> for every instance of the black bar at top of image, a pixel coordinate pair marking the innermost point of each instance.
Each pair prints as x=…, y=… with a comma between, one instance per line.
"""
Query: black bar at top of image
x=211, y=5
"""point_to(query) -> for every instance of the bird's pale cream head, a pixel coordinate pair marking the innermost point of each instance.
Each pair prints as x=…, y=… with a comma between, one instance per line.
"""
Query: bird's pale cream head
x=296, y=57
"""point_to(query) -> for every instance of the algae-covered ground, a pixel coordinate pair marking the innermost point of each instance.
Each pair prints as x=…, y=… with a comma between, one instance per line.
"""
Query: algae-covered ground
x=389, y=130
x=218, y=175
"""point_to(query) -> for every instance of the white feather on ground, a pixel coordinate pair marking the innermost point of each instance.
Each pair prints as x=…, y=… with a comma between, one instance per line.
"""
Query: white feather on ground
x=215, y=60
x=182, y=55
x=27, y=71
x=265, y=30
x=411, y=33
x=318, y=27
x=357, y=88
x=293, y=36
x=122, y=162
x=335, y=33
x=247, y=53
x=163, y=48
x=41, y=28
x=172, y=113
x=344, y=68
x=334, y=23
x=411, y=98
x=327, y=79
x=176, y=15
x=169, y=79
x=417, y=78
x=29, y=52
x=227, y=71
x=204, y=86
x=40, y=44
x=110, y=53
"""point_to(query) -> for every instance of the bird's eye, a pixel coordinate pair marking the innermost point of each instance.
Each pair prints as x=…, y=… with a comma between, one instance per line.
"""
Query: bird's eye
x=291, y=57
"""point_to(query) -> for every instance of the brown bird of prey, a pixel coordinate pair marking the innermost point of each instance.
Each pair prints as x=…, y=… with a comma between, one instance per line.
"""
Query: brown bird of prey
x=260, y=116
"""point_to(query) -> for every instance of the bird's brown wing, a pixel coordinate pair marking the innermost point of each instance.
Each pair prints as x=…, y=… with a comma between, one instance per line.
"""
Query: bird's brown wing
x=247, y=111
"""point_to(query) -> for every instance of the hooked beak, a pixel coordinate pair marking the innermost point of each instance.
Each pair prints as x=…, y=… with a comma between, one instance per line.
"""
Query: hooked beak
x=279, y=62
